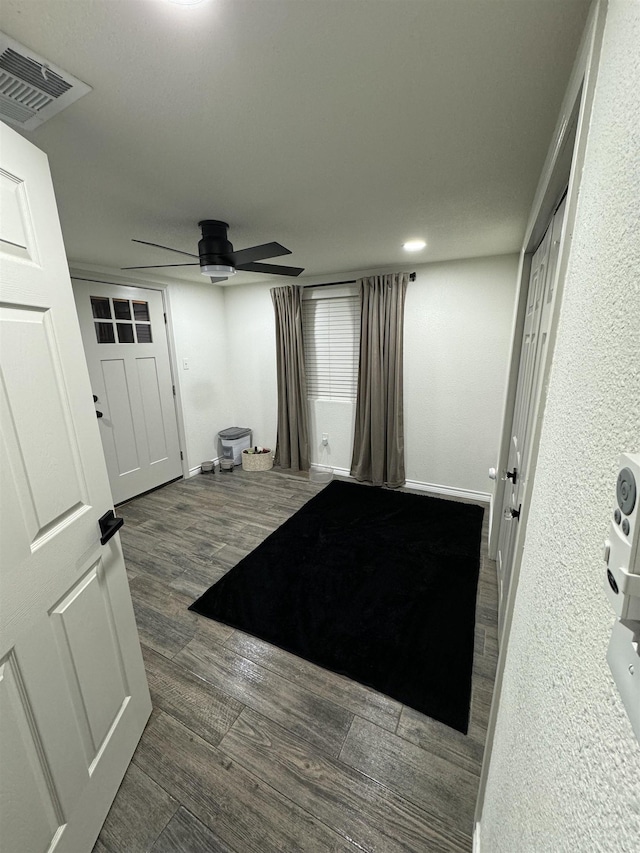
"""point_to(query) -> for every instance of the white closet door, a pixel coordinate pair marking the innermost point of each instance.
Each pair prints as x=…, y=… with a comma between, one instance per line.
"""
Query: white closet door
x=540, y=306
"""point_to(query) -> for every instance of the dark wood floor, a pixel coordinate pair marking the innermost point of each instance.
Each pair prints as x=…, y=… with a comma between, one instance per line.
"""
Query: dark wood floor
x=250, y=748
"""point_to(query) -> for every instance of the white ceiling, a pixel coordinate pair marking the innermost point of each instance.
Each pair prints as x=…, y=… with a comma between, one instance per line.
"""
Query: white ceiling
x=339, y=128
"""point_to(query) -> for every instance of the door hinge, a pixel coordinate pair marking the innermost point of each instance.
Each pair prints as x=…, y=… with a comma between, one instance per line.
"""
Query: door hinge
x=165, y=317
x=174, y=390
x=181, y=456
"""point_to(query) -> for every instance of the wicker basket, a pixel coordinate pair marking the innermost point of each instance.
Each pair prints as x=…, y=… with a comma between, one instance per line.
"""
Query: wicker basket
x=257, y=461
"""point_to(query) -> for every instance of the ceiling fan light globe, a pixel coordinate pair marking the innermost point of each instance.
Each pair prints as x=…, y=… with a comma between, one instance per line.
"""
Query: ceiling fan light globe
x=217, y=270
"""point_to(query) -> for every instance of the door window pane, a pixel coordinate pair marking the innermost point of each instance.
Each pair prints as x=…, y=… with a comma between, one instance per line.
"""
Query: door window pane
x=104, y=333
x=140, y=310
x=143, y=330
x=100, y=307
x=122, y=309
x=103, y=307
x=125, y=333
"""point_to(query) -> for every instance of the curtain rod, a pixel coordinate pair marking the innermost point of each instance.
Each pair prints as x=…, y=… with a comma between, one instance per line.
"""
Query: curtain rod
x=412, y=277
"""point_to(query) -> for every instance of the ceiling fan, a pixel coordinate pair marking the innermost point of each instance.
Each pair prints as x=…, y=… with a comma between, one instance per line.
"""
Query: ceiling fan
x=218, y=260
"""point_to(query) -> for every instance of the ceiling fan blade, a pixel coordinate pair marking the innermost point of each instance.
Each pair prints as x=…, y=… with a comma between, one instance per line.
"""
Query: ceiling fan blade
x=273, y=269
x=158, y=246
x=257, y=253
x=159, y=266
x=220, y=278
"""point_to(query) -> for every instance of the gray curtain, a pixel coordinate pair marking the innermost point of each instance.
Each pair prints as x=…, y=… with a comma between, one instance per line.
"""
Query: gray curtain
x=292, y=446
x=378, y=445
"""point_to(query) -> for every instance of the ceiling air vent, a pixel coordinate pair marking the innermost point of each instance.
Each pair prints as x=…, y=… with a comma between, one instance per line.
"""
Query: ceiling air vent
x=32, y=89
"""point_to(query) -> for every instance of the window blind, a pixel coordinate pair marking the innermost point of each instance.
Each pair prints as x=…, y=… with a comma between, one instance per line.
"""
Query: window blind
x=331, y=329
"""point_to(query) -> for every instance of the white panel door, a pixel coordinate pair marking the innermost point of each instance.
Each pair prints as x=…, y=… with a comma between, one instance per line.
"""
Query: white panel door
x=125, y=342
x=73, y=692
x=540, y=305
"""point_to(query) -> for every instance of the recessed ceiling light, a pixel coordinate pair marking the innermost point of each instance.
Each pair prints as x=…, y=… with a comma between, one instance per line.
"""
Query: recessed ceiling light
x=413, y=245
x=186, y=2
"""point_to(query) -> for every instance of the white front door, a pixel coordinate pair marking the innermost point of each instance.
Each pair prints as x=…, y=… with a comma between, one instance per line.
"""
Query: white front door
x=125, y=342
x=539, y=312
x=73, y=692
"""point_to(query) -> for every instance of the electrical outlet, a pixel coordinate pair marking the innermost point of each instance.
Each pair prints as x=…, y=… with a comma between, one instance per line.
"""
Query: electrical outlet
x=185, y=364
x=325, y=438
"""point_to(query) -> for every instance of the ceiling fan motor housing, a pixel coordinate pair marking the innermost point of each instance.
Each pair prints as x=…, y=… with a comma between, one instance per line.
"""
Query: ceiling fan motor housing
x=214, y=248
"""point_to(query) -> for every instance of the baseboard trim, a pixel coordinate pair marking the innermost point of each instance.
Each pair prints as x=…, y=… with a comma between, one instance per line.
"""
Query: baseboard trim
x=418, y=486
x=448, y=491
x=198, y=468
x=341, y=472
x=476, y=838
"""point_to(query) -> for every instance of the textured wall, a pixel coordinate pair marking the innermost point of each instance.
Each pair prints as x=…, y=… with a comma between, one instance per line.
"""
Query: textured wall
x=458, y=318
x=565, y=773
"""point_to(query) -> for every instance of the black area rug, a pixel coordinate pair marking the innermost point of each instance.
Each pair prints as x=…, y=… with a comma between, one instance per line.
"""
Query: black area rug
x=374, y=584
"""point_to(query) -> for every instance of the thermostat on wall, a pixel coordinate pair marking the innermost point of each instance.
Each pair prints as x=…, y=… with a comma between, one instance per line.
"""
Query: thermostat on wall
x=621, y=553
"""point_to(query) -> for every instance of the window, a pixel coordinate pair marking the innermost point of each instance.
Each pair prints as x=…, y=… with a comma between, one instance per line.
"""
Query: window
x=331, y=328
x=101, y=307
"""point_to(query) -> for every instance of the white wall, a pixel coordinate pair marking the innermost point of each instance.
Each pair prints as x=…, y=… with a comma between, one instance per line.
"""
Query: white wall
x=565, y=769
x=197, y=312
x=458, y=320
x=336, y=418
x=251, y=360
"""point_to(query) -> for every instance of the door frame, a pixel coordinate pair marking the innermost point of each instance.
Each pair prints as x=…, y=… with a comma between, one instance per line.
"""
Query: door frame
x=563, y=164
x=103, y=275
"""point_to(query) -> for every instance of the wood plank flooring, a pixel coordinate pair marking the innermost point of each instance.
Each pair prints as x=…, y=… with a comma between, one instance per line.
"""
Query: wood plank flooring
x=250, y=749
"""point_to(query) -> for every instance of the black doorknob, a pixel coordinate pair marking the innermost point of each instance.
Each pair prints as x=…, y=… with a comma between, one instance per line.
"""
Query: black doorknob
x=109, y=525
x=98, y=414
